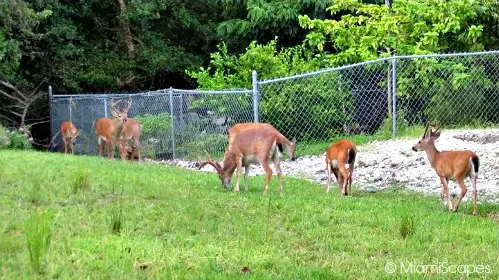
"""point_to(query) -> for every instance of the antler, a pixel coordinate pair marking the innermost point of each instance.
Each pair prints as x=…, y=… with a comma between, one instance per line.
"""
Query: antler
x=112, y=103
x=426, y=130
x=215, y=165
x=129, y=104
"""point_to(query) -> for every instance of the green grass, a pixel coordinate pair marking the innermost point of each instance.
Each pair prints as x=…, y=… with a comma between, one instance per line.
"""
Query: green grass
x=181, y=224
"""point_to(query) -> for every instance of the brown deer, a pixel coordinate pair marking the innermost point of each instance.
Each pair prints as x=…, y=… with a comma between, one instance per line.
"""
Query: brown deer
x=108, y=130
x=281, y=139
x=249, y=146
x=69, y=134
x=130, y=140
x=340, y=160
x=450, y=165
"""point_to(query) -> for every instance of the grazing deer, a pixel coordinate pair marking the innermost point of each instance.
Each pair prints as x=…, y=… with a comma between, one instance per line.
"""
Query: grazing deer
x=130, y=140
x=69, y=134
x=108, y=130
x=340, y=159
x=453, y=165
x=249, y=146
x=281, y=139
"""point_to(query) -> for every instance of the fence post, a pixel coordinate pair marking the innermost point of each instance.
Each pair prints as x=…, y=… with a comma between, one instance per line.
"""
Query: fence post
x=51, y=116
x=394, y=97
x=105, y=107
x=170, y=91
x=70, y=109
x=254, y=81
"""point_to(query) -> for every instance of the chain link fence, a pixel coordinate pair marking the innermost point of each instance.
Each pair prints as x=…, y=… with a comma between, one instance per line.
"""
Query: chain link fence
x=379, y=96
x=175, y=123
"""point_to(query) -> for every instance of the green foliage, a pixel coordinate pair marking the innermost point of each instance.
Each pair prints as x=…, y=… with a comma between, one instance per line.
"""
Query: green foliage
x=155, y=133
x=154, y=123
x=38, y=233
x=444, y=89
x=312, y=103
x=411, y=27
x=18, y=141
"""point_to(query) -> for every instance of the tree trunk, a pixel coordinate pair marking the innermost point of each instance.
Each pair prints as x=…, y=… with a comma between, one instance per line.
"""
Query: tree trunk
x=125, y=27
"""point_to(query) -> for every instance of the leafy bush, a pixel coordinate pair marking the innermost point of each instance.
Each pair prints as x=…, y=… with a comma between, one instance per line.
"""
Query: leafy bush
x=18, y=141
x=450, y=91
x=152, y=124
x=155, y=133
x=309, y=108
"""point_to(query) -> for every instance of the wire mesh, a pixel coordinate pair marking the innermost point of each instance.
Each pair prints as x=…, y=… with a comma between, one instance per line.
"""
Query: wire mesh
x=380, y=96
x=197, y=122
x=329, y=103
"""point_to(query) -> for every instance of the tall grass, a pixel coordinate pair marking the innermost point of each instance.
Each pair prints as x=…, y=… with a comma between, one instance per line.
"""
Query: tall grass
x=38, y=231
x=81, y=181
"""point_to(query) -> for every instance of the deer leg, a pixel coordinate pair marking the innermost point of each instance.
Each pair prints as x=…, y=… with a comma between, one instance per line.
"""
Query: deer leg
x=344, y=180
x=277, y=163
x=72, y=148
x=446, y=190
x=268, y=174
x=246, y=172
x=463, y=192
x=328, y=175
x=473, y=183
x=350, y=172
x=238, y=173
x=65, y=147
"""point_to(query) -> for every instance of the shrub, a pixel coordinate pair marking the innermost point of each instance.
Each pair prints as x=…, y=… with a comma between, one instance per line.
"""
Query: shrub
x=18, y=141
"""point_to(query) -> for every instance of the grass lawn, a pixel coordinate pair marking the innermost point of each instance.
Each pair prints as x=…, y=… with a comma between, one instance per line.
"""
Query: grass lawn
x=90, y=218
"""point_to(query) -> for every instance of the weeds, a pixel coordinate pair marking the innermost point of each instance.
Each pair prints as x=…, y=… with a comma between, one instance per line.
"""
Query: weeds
x=116, y=215
x=406, y=228
x=81, y=181
x=38, y=233
x=35, y=193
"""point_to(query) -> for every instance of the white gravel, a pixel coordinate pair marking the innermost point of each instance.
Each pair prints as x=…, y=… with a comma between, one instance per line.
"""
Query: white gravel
x=382, y=164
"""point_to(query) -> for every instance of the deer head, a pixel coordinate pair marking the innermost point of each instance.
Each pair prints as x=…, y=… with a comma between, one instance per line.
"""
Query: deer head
x=224, y=176
x=431, y=133
x=121, y=115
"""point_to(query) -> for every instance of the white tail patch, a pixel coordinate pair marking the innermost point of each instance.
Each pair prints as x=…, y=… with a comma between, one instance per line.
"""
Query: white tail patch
x=334, y=163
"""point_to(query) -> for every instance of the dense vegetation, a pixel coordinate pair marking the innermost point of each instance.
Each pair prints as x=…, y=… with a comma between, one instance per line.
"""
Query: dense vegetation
x=123, y=45
x=87, y=217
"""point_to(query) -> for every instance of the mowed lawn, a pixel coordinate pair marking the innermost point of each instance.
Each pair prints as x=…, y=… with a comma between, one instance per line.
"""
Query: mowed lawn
x=114, y=220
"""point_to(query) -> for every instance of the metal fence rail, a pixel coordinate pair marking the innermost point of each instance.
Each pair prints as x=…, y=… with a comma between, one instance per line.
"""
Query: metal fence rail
x=380, y=96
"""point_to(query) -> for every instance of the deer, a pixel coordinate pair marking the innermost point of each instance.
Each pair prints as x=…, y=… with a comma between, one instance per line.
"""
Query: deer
x=249, y=147
x=130, y=140
x=340, y=160
x=281, y=139
x=450, y=165
x=69, y=134
x=108, y=130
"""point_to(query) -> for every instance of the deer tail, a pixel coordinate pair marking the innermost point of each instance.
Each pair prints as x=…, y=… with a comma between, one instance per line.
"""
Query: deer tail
x=475, y=162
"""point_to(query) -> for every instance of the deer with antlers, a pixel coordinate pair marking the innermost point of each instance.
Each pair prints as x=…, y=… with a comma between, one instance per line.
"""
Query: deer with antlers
x=130, y=140
x=249, y=147
x=281, y=140
x=109, y=130
x=340, y=159
x=450, y=165
x=69, y=134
